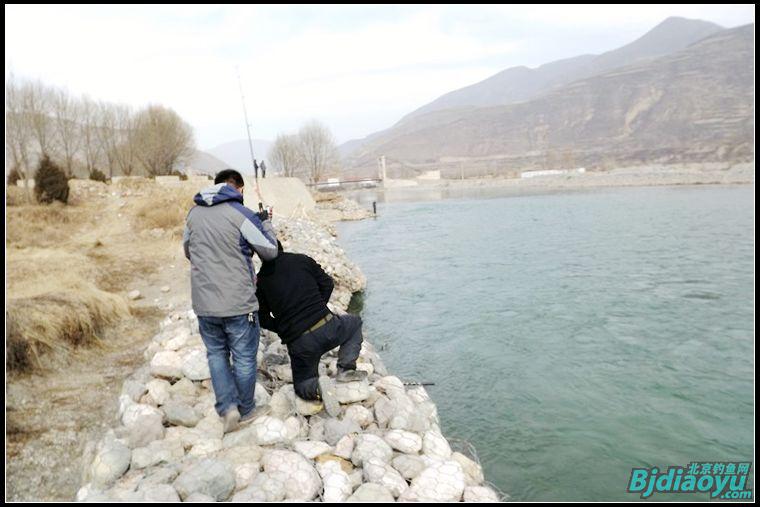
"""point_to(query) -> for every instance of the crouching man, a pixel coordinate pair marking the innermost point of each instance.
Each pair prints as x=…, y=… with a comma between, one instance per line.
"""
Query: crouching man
x=295, y=290
x=220, y=238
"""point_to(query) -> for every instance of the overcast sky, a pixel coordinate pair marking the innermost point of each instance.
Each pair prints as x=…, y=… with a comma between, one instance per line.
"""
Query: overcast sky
x=357, y=68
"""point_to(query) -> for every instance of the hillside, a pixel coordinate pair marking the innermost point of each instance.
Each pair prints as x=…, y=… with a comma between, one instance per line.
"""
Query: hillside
x=694, y=105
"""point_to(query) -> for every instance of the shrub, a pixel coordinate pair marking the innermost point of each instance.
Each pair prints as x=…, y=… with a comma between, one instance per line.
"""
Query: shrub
x=13, y=177
x=182, y=176
x=50, y=182
x=97, y=175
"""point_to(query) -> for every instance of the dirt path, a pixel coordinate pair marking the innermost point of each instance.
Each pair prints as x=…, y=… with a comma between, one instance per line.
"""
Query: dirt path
x=52, y=414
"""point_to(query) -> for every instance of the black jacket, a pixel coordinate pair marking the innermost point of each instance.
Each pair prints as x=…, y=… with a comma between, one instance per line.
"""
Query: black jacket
x=295, y=289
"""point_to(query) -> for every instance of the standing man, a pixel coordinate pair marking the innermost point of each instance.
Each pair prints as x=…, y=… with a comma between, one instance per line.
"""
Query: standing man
x=220, y=238
x=295, y=289
x=255, y=169
x=263, y=169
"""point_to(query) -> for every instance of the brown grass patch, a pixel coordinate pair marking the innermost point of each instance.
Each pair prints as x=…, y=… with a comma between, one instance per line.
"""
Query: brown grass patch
x=165, y=209
x=43, y=225
x=54, y=304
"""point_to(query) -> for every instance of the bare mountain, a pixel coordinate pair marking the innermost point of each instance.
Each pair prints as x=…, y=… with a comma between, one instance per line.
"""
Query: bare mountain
x=692, y=105
x=237, y=154
x=205, y=163
x=518, y=84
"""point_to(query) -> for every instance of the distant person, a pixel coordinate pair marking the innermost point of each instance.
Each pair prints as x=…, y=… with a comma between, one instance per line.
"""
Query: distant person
x=263, y=169
x=255, y=169
x=295, y=289
x=220, y=238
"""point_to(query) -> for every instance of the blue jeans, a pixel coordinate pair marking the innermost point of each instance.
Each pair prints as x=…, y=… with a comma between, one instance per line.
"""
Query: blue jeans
x=238, y=336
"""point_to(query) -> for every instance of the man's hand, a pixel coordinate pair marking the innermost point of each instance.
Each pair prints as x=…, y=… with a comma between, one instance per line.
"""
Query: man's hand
x=263, y=215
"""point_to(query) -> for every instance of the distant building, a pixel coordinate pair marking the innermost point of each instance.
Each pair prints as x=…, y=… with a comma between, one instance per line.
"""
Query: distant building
x=551, y=172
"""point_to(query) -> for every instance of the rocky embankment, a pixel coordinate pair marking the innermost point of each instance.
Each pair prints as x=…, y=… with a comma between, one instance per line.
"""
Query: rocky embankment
x=385, y=446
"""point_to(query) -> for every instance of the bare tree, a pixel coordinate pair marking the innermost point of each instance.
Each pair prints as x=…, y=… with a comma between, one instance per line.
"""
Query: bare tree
x=18, y=134
x=105, y=133
x=66, y=120
x=318, y=149
x=286, y=156
x=88, y=133
x=126, y=145
x=37, y=102
x=162, y=139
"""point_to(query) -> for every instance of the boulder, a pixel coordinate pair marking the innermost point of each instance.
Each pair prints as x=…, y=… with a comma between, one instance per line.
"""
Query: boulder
x=180, y=414
x=440, y=482
x=370, y=446
x=195, y=365
x=166, y=363
x=473, y=472
x=409, y=466
x=157, y=452
x=351, y=392
x=159, y=390
x=384, y=474
x=371, y=492
x=404, y=441
x=111, y=460
x=301, y=480
x=480, y=494
x=208, y=477
x=435, y=445
x=310, y=449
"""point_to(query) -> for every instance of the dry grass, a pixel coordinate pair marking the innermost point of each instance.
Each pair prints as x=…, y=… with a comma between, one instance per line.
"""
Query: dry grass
x=44, y=225
x=54, y=304
x=165, y=209
x=18, y=196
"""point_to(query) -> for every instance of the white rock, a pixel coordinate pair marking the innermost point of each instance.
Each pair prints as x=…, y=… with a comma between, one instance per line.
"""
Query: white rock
x=178, y=340
x=301, y=480
x=382, y=473
x=245, y=474
x=112, y=459
x=391, y=386
x=144, y=430
x=351, y=392
x=195, y=365
x=133, y=389
x=199, y=498
x=370, y=446
x=442, y=482
x=283, y=402
x=370, y=492
x=269, y=430
x=156, y=493
x=295, y=429
x=409, y=466
x=345, y=447
x=308, y=407
x=206, y=446
x=180, y=414
x=335, y=429
x=337, y=486
x=166, y=363
x=480, y=494
x=473, y=472
x=184, y=388
x=209, y=477
x=310, y=449
x=362, y=415
x=260, y=395
x=157, y=452
x=134, y=294
x=159, y=390
x=264, y=488
x=137, y=410
x=165, y=288
x=435, y=445
x=404, y=441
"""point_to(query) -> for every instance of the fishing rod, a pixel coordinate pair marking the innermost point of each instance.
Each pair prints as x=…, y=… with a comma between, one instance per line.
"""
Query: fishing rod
x=248, y=130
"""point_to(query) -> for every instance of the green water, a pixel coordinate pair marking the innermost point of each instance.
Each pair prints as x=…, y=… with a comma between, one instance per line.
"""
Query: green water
x=572, y=336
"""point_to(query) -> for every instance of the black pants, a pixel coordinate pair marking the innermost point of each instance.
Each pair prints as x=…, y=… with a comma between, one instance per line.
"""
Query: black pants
x=344, y=331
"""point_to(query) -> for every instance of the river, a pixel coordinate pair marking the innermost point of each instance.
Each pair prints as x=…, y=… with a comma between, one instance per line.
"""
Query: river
x=571, y=336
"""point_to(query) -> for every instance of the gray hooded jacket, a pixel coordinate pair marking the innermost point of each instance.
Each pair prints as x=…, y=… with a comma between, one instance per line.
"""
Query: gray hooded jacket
x=219, y=240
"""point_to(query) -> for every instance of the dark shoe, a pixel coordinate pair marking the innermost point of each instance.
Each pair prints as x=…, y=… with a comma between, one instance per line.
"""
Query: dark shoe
x=327, y=393
x=350, y=375
x=231, y=419
x=255, y=414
